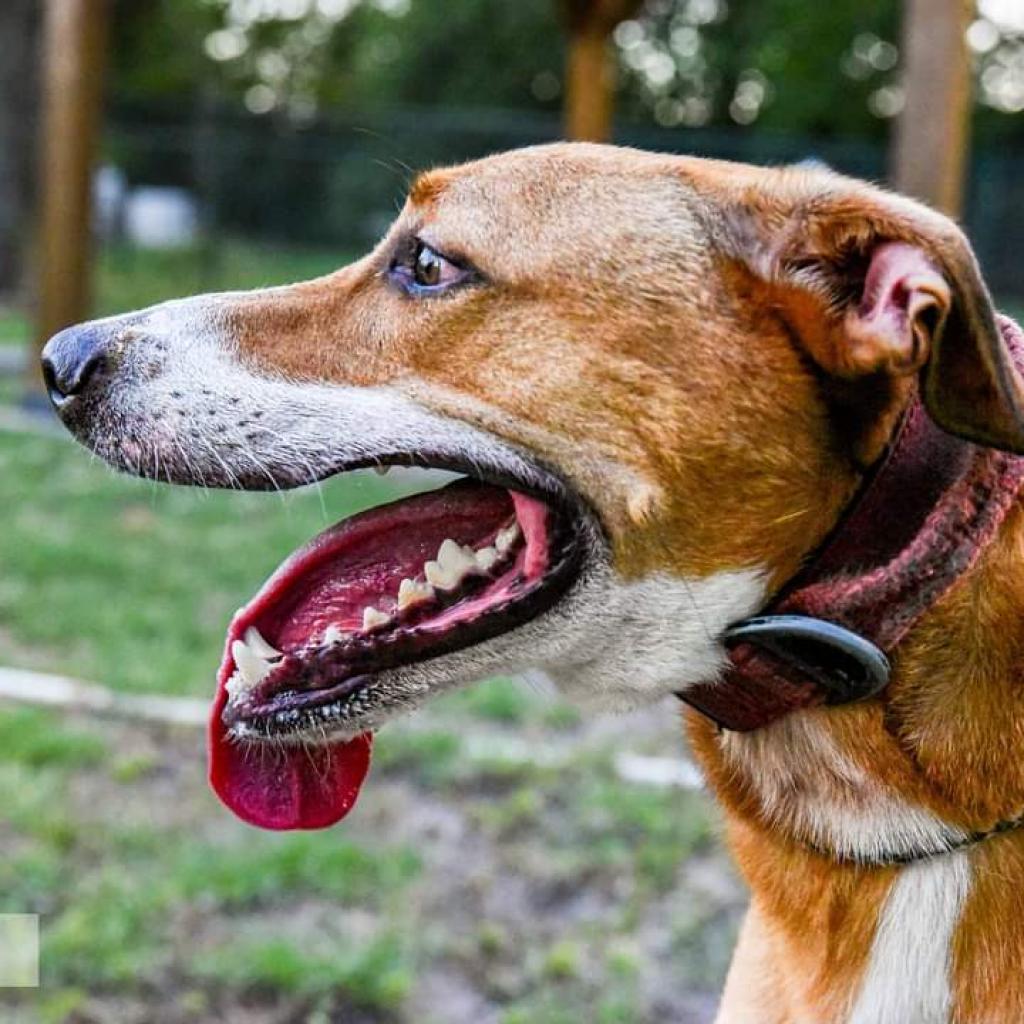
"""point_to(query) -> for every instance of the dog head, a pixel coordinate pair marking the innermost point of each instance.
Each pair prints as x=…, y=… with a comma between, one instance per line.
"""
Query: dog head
x=662, y=377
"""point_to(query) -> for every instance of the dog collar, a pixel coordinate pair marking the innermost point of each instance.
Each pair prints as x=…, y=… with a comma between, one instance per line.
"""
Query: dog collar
x=919, y=522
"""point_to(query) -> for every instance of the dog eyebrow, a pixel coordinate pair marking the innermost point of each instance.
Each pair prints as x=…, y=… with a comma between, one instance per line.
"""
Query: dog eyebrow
x=427, y=186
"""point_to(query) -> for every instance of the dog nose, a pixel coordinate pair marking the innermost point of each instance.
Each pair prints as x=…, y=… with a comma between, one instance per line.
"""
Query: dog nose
x=73, y=358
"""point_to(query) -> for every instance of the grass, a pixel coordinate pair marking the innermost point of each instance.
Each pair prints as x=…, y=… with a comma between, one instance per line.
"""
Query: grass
x=141, y=895
x=267, y=870
x=115, y=895
x=374, y=975
x=14, y=327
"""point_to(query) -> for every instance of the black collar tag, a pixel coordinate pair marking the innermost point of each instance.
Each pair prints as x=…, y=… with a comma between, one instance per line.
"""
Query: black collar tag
x=845, y=664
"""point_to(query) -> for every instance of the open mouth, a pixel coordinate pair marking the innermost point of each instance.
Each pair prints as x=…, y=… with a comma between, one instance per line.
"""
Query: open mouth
x=395, y=585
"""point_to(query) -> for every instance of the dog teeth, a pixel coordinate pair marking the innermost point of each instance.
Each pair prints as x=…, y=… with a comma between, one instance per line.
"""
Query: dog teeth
x=452, y=564
x=258, y=645
x=506, y=538
x=454, y=561
x=252, y=668
x=436, y=576
x=236, y=685
x=411, y=592
x=372, y=618
x=455, y=558
x=486, y=559
x=382, y=470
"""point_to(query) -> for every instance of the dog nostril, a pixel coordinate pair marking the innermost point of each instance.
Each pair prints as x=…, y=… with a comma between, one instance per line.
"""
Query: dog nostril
x=63, y=386
x=71, y=360
x=50, y=381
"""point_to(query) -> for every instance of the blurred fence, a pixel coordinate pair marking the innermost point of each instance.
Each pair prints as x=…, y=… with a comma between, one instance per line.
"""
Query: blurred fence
x=340, y=183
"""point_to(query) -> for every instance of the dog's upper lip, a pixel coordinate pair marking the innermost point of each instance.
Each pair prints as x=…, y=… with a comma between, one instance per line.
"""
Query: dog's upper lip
x=544, y=484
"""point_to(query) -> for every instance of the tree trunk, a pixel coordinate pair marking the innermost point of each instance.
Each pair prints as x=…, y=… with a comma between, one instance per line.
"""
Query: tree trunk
x=19, y=105
x=588, y=88
x=75, y=61
x=589, y=71
x=930, y=146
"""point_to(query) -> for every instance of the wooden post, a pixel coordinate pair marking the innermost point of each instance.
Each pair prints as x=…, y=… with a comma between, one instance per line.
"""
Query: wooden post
x=588, y=88
x=74, y=60
x=589, y=71
x=930, y=146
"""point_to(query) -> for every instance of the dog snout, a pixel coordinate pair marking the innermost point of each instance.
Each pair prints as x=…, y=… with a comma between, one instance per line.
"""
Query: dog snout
x=74, y=360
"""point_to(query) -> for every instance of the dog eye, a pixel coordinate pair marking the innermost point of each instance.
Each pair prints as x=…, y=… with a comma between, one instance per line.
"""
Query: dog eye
x=429, y=267
x=425, y=270
x=432, y=270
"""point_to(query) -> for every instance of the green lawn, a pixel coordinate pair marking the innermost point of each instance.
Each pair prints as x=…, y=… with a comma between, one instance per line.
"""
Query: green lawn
x=13, y=327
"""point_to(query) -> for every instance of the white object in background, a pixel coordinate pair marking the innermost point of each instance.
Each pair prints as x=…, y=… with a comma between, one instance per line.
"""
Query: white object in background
x=19, y=951
x=658, y=771
x=161, y=218
x=109, y=189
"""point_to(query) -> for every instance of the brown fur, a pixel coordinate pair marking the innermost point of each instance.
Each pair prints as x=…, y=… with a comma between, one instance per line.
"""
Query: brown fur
x=672, y=335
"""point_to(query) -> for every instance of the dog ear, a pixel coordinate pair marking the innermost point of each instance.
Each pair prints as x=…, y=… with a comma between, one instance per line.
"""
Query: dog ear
x=872, y=283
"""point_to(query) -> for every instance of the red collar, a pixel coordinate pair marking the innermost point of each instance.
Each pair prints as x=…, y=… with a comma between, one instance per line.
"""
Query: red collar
x=917, y=525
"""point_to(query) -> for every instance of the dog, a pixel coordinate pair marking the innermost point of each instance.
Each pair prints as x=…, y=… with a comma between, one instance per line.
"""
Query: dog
x=666, y=381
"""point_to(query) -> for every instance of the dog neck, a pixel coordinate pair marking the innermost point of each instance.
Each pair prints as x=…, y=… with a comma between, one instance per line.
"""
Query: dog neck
x=859, y=828
x=920, y=521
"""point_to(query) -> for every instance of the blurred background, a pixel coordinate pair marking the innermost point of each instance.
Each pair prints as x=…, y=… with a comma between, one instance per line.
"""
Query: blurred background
x=510, y=860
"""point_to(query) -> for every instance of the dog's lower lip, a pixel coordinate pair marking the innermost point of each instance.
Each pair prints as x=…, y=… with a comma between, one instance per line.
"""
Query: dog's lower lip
x=290, y=709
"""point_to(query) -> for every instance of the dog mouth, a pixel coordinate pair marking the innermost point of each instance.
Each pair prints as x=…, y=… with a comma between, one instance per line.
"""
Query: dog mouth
x=391, y=587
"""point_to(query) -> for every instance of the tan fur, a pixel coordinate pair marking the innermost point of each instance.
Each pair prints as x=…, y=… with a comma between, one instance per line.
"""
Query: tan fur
x=629, y=314
x=668, y=334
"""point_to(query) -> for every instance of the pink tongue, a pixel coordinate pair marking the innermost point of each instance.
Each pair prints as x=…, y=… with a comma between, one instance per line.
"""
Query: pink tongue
x=285, y=787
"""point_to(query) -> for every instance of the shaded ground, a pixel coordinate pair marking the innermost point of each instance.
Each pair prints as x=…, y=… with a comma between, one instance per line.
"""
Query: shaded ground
x=468, y=887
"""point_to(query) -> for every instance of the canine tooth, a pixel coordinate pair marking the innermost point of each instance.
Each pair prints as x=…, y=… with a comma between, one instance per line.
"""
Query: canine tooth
x=258, y=645
x=506, y=538
x=486, y=558
x=250, y=665
x=372, y=618
x=412, y=592
x=382, y=470
x=334, y=634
